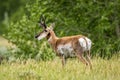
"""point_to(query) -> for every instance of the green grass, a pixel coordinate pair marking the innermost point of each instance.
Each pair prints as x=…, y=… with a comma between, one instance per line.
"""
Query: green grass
x=53, y=70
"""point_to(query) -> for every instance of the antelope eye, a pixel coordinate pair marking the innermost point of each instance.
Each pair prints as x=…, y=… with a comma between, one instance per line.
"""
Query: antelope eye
x=45, y=30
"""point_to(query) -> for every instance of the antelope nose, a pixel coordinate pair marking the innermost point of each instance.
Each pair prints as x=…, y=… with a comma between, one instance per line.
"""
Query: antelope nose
x=36, y=36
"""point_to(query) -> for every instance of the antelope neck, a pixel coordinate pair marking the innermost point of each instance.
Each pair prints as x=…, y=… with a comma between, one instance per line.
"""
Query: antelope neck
x=52, y=39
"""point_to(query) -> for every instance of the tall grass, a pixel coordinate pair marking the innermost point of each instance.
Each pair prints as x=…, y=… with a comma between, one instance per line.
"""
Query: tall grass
x=52, y=70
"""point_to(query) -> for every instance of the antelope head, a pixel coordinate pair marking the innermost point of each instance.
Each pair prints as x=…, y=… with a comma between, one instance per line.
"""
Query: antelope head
x=46, y=30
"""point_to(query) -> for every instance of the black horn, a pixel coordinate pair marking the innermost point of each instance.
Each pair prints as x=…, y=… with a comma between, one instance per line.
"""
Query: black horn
x=42, y=22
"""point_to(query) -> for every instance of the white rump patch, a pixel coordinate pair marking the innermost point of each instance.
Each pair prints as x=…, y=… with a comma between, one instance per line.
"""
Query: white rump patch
x=43, y=35
x=85, y=43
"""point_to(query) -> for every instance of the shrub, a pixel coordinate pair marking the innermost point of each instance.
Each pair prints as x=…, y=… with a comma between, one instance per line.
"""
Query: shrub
x=91, y=18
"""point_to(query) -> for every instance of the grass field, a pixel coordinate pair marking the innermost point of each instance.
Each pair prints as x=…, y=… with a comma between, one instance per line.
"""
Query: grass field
x=52, y=70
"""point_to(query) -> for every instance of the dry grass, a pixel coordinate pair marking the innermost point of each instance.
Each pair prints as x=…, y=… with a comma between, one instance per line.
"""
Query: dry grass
x=4, y=42
x=52, y=70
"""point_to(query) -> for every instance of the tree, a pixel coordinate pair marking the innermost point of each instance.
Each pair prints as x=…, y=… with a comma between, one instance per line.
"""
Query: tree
x=91, y=18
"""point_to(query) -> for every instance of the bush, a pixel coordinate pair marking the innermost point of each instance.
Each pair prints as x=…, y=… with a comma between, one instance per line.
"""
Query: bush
x=96, y=19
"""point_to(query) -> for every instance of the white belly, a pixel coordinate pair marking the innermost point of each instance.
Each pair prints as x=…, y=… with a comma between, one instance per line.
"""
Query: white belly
x=66, y=50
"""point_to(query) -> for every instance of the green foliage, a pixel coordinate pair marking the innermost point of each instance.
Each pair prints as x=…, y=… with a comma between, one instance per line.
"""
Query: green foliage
x=99, y=20
x=9, y=10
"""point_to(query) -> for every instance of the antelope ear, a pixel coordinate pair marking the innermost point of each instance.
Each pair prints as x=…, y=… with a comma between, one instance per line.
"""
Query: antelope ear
x=52, y=26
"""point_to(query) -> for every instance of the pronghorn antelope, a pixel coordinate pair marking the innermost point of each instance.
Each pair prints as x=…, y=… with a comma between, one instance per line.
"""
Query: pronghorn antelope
x=66, y=47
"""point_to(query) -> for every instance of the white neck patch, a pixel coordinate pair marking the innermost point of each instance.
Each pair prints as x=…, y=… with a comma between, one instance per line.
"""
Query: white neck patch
x=50, y=38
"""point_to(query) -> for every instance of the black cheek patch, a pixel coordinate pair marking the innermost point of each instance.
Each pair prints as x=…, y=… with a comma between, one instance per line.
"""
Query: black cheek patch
x=48, y=36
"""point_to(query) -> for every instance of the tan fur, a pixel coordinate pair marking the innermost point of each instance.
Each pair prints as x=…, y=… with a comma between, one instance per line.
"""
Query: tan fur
x=55, y=42
x=66, y=47
x=64, y=40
